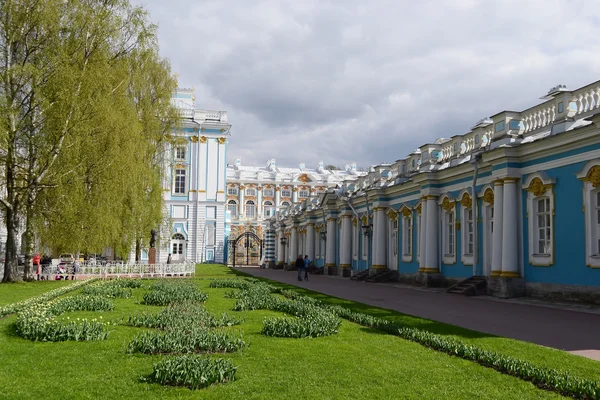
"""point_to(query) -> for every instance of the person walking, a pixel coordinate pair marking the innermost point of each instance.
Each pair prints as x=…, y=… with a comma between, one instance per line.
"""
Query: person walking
x=36, y=262
x=169, y=259
x=307, y=262
x=299, y=266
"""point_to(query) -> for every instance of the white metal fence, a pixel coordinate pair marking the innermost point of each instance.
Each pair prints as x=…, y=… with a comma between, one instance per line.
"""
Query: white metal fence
x=118, y=270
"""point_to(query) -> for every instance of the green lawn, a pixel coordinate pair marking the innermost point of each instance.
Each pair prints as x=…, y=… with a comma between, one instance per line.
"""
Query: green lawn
x=15, y=292
x=357, y=363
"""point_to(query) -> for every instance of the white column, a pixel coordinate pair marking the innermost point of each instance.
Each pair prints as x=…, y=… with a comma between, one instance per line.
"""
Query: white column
x=294, y=243
x=331, y=242
x=259, y=208
x=379, y=238
x=310, y=241
x=498, y=223
x=202, y=160
x=280, y=248
x=346, y=242
x=422, y=235
x=222, y=170
x=510, y=248
x=431, y=260
x=241, y=207
x=277, y=197
x=294, y=194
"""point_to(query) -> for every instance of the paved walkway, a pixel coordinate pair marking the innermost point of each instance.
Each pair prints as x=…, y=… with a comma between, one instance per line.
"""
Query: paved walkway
x=573, y=330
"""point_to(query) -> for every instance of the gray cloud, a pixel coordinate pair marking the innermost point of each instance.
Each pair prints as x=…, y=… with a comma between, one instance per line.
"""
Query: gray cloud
x=368, y=82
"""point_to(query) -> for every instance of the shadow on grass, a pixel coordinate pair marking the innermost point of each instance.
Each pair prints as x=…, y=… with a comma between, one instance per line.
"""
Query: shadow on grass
x=10, y=330
x=406, y=320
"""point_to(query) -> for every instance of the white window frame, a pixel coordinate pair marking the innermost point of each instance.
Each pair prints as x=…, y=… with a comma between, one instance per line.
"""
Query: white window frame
x=232, y=191
x=231, y=203
x=175, y=181
x=268, y=209
x=539, y=187
x=253, y=208
x=286, y=193
x=449, y=236
x=393, y=245
x=268, y=192
x=250, y=192
x=467, y=229
x=589, y=178
x=179, y=153
x=303, y=194
x=407, y=237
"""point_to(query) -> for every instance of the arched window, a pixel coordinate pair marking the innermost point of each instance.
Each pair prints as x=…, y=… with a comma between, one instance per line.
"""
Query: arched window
x=269, y=209
x=232, y=207
x=177, y=244
x=285, y=204
x=250, y=208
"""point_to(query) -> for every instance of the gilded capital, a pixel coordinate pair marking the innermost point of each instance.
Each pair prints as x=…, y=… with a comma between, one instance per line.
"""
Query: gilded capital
x=202, y=138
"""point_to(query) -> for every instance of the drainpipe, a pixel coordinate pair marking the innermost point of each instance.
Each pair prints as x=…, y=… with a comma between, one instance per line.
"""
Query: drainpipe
x=474, y=162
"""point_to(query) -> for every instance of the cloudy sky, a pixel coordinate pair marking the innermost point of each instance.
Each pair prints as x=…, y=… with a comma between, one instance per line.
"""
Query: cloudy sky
x=369, y=81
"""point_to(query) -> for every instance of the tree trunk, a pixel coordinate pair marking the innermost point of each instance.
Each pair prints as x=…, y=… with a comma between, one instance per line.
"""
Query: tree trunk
x=29, y=238
x=138, y=249
x=11, y=262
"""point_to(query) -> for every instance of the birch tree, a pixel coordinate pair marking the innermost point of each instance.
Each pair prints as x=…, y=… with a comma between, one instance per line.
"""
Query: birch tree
x=58, y=75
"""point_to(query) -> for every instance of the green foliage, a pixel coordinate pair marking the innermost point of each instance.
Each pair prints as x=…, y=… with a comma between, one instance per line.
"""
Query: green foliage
x=81, y=302
x=118, y=288
x=230, y=283
x=44, y=297
x=192, y=371
x=189, y=340
x=181, y=316
x=544, y=378
x=310, y=325
x=164, y=293
x=38, y=322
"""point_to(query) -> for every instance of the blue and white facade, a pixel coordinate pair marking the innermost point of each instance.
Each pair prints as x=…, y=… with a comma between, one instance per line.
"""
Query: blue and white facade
x=516, y=199
x=194, y=185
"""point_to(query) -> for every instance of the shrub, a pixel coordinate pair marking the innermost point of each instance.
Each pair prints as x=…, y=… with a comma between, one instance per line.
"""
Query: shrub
x=192, y=371
x=181, y=316
x=191, y=340
x=166, y=292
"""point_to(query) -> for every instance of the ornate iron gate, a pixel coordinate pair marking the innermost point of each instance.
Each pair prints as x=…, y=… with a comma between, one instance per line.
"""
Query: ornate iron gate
x=247, y=248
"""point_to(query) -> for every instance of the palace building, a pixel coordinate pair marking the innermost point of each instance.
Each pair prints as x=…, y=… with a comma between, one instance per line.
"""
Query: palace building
x=255, y=194
x=194, y=185
x=513, y=205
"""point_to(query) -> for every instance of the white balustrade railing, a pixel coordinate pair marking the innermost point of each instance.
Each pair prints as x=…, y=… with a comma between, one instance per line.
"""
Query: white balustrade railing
x=587, y=98
x=123, y=270
x=539, y=116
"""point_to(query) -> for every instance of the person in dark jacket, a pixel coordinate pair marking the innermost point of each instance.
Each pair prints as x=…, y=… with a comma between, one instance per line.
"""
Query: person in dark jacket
x=299, y=266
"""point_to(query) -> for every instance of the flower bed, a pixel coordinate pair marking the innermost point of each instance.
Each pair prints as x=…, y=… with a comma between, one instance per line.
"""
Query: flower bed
x=191, y=340
x=544, y=378
x=192, y=371
x=118, y=288
x=42, y=298
x=181, y=316
x=39, y=322
x=166, y=292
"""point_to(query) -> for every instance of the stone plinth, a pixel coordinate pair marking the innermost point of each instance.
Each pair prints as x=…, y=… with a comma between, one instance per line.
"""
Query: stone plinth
x=505, y=288
x=152, y=256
